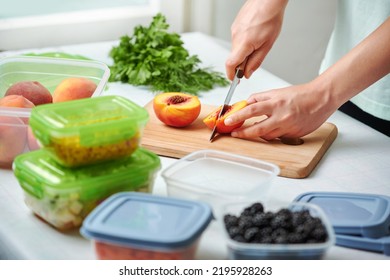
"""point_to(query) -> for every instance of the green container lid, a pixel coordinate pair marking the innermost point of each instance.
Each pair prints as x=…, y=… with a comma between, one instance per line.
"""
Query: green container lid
x=41, y=176
x=94, y=121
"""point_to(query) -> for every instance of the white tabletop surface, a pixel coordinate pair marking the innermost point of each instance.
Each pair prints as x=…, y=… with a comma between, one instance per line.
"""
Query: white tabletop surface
x=358, y=161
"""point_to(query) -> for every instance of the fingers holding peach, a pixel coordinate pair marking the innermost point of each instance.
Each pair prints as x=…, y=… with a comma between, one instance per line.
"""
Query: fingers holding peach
x=176, y=109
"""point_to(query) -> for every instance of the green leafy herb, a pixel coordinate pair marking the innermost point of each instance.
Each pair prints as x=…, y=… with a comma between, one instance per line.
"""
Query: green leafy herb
x=156, y=58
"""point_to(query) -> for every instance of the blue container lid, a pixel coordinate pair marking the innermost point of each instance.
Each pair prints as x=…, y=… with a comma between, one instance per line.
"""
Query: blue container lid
x=366, y=215
x=147, y=221
x=380, y=245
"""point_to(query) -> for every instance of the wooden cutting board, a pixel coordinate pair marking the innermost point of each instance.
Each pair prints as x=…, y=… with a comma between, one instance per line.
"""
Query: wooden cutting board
x=294, y=161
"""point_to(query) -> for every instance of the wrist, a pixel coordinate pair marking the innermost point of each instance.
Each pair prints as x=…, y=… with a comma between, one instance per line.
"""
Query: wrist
x=326, y=94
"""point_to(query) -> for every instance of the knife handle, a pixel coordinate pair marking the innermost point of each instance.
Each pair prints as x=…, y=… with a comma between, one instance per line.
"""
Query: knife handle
x=241, y=69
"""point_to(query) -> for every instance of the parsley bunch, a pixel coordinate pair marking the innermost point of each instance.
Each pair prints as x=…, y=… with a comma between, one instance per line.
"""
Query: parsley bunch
x=156, y=58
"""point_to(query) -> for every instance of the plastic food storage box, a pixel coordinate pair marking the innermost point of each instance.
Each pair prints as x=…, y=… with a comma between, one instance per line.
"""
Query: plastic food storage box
x=251, y=251
x=64, y=196
x=219, y=178
x=14, y=136
x=91, y=130
x=360, y=220
x=135, y=226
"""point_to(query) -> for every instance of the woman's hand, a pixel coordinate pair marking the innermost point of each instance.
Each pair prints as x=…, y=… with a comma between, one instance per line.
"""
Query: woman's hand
x=291, y=112
x=254, y=32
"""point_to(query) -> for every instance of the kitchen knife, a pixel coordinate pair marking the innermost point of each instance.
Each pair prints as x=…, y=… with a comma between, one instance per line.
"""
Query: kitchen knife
x=237, y=77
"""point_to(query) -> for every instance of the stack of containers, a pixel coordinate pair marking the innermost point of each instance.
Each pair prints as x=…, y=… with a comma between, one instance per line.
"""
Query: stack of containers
x=90, y=151
x=15, y=137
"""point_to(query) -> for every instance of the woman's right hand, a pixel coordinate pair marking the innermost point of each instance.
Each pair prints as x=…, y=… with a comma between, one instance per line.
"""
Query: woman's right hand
x=254, y=32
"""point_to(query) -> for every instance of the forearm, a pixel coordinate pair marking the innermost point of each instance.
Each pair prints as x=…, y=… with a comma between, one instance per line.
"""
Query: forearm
x=365, y=64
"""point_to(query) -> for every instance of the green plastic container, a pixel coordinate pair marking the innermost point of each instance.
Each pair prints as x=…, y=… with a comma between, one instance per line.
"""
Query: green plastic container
x=89, y=131
x=50, y=71
x=15, y=138
x=65, y=196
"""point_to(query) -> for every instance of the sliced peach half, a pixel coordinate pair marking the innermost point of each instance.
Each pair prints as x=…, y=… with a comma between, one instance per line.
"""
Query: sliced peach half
x=211, y=118
x=176, y=109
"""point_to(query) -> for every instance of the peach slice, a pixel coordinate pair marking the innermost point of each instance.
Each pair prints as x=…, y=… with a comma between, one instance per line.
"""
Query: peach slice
x=176, y=109
x=211, y=118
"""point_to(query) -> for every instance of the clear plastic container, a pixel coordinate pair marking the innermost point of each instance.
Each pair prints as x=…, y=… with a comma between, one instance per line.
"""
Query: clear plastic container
x=15, y=135
x=251, y=251
x=219, y=178
x=135, y=226
x=63, y=197
x=89, y=131
x=50, y=71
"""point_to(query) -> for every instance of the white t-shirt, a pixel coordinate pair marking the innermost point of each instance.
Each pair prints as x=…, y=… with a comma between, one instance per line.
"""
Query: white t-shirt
x=355, y=20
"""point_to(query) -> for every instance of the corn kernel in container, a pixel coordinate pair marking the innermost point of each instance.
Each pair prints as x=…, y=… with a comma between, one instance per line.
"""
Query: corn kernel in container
x=90, y=130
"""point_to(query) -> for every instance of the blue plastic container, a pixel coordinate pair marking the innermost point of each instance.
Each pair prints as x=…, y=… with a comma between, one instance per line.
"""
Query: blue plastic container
x=139, y=226
x=360, y=221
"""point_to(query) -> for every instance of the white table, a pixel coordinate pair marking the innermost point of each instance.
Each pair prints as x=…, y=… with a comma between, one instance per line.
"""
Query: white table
x=358, y=161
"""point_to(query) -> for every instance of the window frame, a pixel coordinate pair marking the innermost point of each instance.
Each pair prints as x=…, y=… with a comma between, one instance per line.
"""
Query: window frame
x=86, y=26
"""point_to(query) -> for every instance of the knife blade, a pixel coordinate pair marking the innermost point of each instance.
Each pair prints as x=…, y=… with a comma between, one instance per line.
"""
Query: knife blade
x=237, y=77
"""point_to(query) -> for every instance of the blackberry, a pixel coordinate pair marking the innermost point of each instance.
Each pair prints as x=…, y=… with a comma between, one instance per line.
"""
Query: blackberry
x=234, y=231
x=316, y=221
x=282, y=220
x=230, y=220
x=266, y=240
x=319, y=234
x=294, y=238
x=254, y=209
x=261, y=220
x=267, y=231
x=299, y=218
x=278, y=233
x=283, y=239
x=303, y=231
x=254, y=225
x=246, y=212
x=285, y=212
x=251, y=233
x=239, y=238
x=245, y=222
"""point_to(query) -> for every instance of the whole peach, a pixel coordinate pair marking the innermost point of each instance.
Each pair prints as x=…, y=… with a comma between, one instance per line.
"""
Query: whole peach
x=31, y=140
x=176, y=109
x=13, y=137
x=74, y=88
x=16, y=101
x=31, y=90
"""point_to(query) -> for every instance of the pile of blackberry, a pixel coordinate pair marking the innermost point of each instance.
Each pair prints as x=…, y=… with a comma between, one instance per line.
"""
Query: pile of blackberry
x=254, y=225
